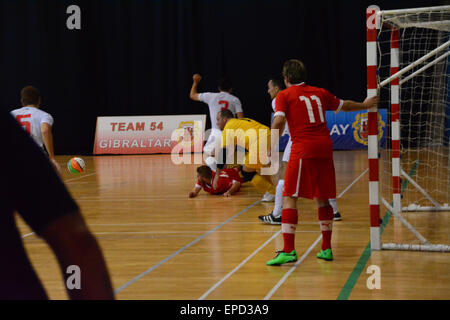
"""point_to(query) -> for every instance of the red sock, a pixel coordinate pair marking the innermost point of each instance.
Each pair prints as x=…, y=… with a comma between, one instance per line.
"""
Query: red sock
x=326, y=225
x=289, y=220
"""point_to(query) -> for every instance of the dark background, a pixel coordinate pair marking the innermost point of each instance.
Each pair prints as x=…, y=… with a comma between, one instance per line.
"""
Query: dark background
x=136, y=57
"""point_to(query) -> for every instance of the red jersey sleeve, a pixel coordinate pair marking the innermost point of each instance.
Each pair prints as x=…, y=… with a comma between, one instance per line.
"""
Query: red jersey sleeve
x=281, y=104
x=331, y=101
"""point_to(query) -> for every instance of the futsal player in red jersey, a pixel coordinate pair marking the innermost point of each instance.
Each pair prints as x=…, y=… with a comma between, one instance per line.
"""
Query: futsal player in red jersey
x=229, y=182
x=310, y=170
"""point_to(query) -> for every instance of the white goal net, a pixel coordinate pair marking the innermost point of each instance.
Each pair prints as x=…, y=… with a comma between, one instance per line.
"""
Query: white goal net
x=413, y=78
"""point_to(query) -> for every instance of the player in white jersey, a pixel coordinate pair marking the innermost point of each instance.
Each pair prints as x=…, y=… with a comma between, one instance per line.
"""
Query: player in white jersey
x=216, y=101
x=274, y=86
x=37, y=123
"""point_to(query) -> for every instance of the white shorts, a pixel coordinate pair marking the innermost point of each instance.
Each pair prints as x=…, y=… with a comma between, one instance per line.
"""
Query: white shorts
x=287, y=151
x=212, y=145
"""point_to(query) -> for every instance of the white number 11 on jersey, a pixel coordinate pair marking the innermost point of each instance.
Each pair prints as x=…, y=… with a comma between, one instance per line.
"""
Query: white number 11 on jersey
x=310, y=108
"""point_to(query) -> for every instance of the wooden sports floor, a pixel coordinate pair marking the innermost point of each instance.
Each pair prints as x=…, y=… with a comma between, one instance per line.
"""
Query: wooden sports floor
x=159, y=244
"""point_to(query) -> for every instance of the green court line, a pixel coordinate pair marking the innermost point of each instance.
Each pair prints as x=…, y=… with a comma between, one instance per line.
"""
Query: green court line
x=359, y=267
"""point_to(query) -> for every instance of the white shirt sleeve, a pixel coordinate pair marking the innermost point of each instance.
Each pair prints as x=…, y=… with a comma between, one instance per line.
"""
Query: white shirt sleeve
x=205, y=97
x=273, y=104
x=238, y=106
x=46, y=118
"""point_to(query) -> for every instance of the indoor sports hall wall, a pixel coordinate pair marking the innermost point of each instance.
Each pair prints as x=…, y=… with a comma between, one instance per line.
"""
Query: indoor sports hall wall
x=137, y=57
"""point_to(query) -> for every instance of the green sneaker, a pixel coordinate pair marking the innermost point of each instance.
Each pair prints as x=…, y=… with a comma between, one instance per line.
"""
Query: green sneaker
x=282, y=258
x=325, y=255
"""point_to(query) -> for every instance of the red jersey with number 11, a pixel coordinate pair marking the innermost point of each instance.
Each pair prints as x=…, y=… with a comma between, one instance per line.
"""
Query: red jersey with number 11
x=304, y=108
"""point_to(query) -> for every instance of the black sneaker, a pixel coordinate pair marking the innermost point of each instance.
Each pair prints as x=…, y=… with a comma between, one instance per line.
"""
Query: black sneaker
x=270, y=219
x=337, y=216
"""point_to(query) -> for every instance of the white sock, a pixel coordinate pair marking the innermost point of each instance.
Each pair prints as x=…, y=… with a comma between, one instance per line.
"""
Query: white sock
x=333, y=204
x=278, y=199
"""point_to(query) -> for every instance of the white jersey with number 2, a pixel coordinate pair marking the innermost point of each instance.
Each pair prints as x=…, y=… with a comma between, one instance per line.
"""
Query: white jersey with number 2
x=31, y=119
x=218, y=101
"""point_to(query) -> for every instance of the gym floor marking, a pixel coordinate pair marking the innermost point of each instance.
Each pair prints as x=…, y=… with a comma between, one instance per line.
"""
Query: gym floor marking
x=78, y=178
x=287, y=274
x=184, y=248
x=239, y=266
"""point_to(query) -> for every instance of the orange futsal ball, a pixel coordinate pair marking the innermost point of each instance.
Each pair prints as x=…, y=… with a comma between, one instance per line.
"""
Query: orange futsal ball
x=76, y=165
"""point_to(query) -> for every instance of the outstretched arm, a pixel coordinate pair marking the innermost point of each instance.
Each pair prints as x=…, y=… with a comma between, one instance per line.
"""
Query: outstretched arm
x=196, y=78
x=195, y=191
x=234, y=188
x=350, y=105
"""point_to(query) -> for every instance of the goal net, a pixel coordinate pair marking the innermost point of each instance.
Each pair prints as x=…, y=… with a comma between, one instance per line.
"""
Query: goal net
x=412, y=57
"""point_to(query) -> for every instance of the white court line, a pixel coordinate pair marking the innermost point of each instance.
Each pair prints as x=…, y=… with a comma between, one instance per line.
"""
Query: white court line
x=304, y=223
x=187, y=223
x=184, y=248
x=158, y=199
x=78, y=178
x=193, y=232
x=238, y=267
x=27, y=235
x=282, y=280
x=351, y=184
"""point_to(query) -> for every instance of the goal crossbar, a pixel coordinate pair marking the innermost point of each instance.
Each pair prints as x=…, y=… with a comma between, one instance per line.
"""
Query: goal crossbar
x=413, y=10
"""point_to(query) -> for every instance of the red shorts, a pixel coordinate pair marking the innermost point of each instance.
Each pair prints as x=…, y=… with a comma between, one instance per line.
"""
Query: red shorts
x=310, y=178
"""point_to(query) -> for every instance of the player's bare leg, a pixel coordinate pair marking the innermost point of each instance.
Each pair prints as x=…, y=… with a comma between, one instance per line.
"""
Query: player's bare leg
x=289, y=221
x=326, y=216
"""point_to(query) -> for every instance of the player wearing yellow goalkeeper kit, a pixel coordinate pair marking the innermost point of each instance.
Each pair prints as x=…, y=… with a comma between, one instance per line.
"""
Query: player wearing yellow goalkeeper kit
x=250, y=135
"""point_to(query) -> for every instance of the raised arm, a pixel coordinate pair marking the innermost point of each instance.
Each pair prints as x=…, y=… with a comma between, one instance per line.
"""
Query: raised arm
x=196, y=78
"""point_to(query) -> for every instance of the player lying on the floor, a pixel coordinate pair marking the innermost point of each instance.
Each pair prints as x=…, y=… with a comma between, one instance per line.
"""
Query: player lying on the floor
x=229, y=182
x=237, y=133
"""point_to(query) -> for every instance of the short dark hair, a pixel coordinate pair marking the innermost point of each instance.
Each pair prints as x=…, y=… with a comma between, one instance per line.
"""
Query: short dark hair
x=295, y=71
x=204, y=171
x=30, y=96
x=225, y=84
x=278, y=82
x=226, y=114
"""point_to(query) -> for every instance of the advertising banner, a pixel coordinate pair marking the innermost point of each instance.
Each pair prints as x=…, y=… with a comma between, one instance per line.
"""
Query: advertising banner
x=148, y=134
x=349, y=130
